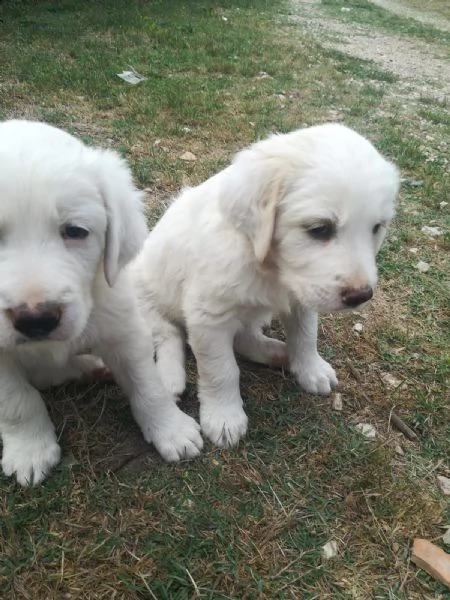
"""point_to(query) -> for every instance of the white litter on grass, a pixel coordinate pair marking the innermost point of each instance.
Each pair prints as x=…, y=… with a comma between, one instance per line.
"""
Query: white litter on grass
x=358, y=327
x=367, y=430
x=422, y=266
x=432, y=231
x=132, y=77
x=443, y=204
x=444, y=484
x=414, y=250
x=330, y=549
x=336, y=402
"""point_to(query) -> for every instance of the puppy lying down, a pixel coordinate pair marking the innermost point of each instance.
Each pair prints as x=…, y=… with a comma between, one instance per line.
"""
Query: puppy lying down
x=70, y=220
x=291, y=228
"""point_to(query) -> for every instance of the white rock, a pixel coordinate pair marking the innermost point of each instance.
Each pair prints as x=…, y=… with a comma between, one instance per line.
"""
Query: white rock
x=367, y=430
x=432, y=231
x=337, y=401
x=358, y=327
x=390, y=380
x=444, y=484
x=443, y=204
x=188, y=156
x=414, y=250
x=422, y=266
x=330, y=549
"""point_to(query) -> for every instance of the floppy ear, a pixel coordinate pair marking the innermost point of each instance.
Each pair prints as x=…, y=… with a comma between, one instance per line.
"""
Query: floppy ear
x=126, y=227
x=251, y=190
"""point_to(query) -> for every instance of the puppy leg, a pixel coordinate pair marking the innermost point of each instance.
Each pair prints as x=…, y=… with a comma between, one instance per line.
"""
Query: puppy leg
x=313, y=373
x=257, y=347
x=85, y=367
x=170, y=353
x=129, y=355
x=222, y=416
x=30, y=449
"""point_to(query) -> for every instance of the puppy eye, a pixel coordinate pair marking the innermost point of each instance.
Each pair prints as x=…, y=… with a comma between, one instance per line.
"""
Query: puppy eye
x=73, y=232
x=322, y=232
x=376, y=228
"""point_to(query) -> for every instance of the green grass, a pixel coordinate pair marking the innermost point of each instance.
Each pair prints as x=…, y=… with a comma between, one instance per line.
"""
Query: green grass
x=113, y=520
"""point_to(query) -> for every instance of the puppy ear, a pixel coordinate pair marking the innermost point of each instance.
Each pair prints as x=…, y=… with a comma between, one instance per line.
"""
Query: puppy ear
x=252, y=188
x=126, y=227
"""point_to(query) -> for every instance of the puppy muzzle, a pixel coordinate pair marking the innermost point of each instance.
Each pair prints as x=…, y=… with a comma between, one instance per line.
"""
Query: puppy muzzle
x=35, y=322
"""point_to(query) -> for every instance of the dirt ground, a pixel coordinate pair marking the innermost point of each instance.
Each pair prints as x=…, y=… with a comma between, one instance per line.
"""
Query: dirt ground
x=423, y=68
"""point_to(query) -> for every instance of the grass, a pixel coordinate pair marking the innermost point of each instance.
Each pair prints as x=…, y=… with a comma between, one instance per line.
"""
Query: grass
x=113, y=521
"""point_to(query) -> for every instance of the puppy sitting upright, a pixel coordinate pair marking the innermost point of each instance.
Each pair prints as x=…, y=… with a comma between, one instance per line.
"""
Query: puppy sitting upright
x=292, y=227
x=70, y=220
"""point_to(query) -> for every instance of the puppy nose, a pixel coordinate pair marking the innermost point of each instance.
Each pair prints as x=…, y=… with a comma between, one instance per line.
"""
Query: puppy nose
x=36, y=321
x=355, y=296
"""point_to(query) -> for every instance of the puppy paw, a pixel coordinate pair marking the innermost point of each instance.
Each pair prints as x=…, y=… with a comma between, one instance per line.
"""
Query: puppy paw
x=224, y=424
x=176, y=438
x=30, y=460
x=316, y=376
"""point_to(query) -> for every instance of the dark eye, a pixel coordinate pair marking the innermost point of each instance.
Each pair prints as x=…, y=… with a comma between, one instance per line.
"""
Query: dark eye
x=376, y=228
x=73, y=232
x=322, y=232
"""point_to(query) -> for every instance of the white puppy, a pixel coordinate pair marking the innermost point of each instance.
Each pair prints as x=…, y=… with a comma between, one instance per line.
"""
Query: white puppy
x=70, y=220
x=291, y=227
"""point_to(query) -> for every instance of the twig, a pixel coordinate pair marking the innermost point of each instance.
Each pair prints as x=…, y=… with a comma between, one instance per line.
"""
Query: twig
x=403, y=427
x=353, y=370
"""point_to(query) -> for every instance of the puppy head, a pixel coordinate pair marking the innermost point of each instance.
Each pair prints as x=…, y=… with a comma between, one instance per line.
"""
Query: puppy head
x=315, y=205
x=68, y=214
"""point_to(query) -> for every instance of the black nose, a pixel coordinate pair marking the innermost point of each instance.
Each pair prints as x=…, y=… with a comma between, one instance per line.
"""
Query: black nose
x=355, y=296
x=36, y=322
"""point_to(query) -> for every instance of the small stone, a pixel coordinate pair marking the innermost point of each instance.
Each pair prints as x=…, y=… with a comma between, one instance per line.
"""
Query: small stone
x=443, y=204
x=422, y=266
x=188, y=157
x=390, y=380
x=444, y=484
x=414, y=250
x=367, y=430
x=337, y=401
x=330, y=549
x=432, y=231
x=399, y=450
x=358, y=327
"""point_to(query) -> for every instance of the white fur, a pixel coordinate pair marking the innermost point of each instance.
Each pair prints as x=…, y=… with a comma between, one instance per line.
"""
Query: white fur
x=236, y=249
x=49, y=179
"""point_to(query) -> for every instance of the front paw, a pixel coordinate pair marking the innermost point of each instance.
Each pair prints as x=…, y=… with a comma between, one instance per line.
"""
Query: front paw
x=176, y=436
x=30, y=457
x=315, y=376
x=224, y=424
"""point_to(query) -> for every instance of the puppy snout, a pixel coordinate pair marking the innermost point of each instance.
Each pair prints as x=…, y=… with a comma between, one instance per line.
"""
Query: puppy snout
x=36, y=322
x=352, y=297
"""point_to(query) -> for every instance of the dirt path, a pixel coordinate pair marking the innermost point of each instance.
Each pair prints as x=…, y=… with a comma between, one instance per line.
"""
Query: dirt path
x=424, y=68
x=402, y=9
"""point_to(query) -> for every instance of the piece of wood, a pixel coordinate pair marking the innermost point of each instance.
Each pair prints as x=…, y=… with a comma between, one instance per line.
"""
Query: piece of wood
x=403, y=427
x=431, y=559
